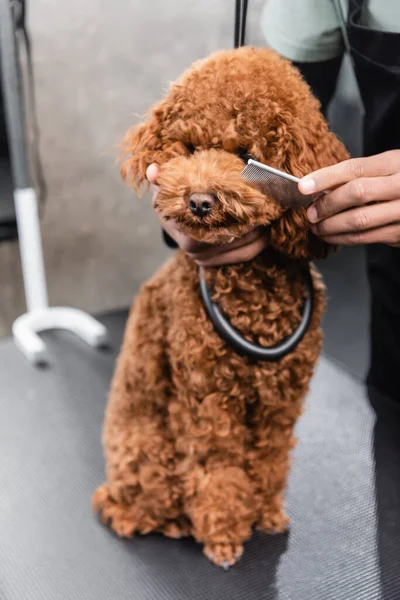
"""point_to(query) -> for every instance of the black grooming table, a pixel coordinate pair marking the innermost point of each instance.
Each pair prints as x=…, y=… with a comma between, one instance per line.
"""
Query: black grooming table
x=344, y=543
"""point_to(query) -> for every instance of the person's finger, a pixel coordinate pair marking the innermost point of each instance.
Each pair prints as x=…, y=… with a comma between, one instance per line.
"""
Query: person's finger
x=242, y=254
x=191, y=246
x=355, y=193
x=209, y=251
x=389, y=235
x=212, y=250
x=184, y=242
x=155, y=189
x=203, y=250
x=359, y=219
x=152, y=173
x=328, y=178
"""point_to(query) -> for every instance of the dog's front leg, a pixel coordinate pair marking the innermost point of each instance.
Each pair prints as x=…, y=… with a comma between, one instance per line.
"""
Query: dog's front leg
x=141, y=493
x=268, y=459
x=219, y=501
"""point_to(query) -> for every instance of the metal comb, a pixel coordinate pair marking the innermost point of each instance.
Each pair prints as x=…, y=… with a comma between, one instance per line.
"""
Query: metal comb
x=279, y=185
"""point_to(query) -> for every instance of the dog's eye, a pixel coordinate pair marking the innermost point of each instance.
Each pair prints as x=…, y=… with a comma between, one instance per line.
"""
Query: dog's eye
x=245, y=156
x=190, y=148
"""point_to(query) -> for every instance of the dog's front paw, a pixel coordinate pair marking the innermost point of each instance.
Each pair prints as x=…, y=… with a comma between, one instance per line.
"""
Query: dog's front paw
x=273, y=522
x=223, y=555
x=121, y=517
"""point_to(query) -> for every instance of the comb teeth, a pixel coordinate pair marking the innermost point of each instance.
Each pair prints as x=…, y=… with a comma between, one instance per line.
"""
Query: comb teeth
x=280, y=187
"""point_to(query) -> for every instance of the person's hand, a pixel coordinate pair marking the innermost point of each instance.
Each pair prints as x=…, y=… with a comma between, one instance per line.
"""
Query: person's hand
x=363, y=204
x=211, y=255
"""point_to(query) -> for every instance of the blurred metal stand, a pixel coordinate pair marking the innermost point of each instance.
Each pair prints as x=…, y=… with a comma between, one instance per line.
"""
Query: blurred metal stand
x=39, y=316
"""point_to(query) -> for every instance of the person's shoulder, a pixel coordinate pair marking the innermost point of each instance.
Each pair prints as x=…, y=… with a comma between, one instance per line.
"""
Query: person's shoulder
x=302, y=30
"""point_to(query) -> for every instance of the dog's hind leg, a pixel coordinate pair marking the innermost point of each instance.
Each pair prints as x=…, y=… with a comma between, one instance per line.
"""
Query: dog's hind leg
x=141, y=492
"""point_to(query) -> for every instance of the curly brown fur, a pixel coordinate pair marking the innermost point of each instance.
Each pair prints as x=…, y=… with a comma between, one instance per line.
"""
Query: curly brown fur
x=198, y=438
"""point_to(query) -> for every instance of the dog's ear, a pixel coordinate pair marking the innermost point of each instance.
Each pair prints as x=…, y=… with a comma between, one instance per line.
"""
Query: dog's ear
x=309, y=145
x=312, y=146
x=142, y=146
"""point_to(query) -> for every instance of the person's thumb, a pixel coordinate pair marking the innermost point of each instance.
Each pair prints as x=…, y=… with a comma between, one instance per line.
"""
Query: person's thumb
x=152, y=173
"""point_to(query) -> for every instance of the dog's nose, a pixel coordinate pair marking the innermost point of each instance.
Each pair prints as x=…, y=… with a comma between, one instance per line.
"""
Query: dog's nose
x=201, y=205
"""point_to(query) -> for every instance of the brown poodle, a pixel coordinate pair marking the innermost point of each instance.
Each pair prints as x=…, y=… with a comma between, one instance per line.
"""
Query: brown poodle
x=197, y=437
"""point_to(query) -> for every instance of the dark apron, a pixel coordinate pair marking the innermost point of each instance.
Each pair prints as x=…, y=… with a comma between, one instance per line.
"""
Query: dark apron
x=376, y=58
